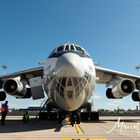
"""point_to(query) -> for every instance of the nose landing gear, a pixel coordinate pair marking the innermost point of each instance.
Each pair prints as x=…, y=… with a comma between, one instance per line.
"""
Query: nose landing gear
x=75, y=117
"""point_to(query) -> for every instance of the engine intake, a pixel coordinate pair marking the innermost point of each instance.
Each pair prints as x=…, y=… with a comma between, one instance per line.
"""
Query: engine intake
x=136, y=96
x=127, y=86
x=14, y=87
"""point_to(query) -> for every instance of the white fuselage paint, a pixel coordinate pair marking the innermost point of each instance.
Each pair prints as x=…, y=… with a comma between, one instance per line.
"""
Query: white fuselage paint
x=71, y=68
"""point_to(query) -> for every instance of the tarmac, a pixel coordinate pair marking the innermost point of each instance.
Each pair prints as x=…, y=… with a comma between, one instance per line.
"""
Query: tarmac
x=108, y=128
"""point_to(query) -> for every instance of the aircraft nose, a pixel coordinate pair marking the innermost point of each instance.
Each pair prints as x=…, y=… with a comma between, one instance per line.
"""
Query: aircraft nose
x=69, y=65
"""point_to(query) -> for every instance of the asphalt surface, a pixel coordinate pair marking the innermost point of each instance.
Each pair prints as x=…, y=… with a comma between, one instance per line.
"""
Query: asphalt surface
x=108, y=128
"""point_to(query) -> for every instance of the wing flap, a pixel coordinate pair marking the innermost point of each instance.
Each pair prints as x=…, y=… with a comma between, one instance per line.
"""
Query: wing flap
x=29, y=73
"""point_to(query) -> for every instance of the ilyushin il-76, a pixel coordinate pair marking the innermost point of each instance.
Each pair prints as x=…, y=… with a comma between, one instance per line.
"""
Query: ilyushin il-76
x=68, y=77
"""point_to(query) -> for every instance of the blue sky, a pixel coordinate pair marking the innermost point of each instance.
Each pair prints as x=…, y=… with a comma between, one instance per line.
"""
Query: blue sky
x=109, y=30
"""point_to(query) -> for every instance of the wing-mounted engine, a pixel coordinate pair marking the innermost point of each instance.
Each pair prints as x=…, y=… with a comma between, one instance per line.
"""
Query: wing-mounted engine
x=137, y=83
x=2, y=95
x=121, y=88
x=17, y=88
x=136, y=94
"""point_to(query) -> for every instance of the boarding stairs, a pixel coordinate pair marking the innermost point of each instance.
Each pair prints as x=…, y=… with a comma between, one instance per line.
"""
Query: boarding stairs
x=42, y=106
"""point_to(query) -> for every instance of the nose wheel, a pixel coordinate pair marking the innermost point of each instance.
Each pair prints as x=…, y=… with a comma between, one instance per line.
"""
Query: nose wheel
x=75, y=117
x=61, y=117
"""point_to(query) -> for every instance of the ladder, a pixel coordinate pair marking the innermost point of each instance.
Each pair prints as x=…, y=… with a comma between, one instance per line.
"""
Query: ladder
x=44, y=102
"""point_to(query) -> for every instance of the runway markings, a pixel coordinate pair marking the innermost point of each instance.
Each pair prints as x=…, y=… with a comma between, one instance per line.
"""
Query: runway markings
x=79, y=129
x=84, y=139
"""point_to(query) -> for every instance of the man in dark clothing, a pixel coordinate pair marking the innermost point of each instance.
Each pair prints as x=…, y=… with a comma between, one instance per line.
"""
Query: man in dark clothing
x=4, y=111
x=72, y=118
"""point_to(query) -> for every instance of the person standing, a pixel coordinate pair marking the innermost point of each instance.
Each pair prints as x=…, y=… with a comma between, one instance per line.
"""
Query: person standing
x=25, y=118
x=72, y=118
x=4, y=111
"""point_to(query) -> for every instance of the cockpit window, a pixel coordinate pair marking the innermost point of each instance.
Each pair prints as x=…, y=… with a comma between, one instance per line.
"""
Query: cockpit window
x=70, y=93
x=60, y=49
x=71, y=86
x=52, y=53
x=69, y=82
x=64, y=82
x=75, y=81
x=72, y=47
x=67, y=47
x=79, y=49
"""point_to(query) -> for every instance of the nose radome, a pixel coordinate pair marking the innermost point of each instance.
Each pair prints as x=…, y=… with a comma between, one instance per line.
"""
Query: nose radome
x=70, y=65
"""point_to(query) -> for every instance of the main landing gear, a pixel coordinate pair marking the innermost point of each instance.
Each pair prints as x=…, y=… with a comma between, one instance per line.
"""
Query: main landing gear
x=74, y=117
x=89, y=116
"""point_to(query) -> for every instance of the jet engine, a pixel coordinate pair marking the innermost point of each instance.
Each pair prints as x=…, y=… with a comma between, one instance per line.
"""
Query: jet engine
x=136, y=96
x=2, y=95
x=137, y=82
x=15, y=88
x=120, y=89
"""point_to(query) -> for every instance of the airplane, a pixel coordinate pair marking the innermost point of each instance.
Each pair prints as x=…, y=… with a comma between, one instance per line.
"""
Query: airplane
x=68, y=77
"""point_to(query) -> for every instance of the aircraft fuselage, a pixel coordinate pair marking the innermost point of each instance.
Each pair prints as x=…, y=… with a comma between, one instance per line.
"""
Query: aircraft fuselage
x=69, y=80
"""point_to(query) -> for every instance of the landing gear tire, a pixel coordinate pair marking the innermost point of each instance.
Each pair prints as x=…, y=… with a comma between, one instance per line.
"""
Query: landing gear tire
x=72, y=119
x=60, y=118
x=78, y=117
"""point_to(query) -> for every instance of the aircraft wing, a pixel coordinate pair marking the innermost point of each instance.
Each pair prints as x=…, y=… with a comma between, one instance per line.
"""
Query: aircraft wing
x=106, y=75
x=122, y=84
x=18, y=87
x=29, y=73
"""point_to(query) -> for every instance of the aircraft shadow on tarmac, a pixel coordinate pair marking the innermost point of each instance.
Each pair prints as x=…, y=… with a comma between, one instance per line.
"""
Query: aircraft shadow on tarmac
x=12, y=126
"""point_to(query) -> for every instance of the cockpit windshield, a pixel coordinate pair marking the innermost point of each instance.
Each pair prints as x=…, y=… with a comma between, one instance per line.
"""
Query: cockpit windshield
x=71, y=86
x=69, y=48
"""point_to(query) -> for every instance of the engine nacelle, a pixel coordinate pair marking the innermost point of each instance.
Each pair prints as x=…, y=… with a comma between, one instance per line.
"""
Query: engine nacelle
x=14, y=87
x=136, y=96
x=137, y=82
x=121, y=89
x=2, y=95
x=109, y=94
